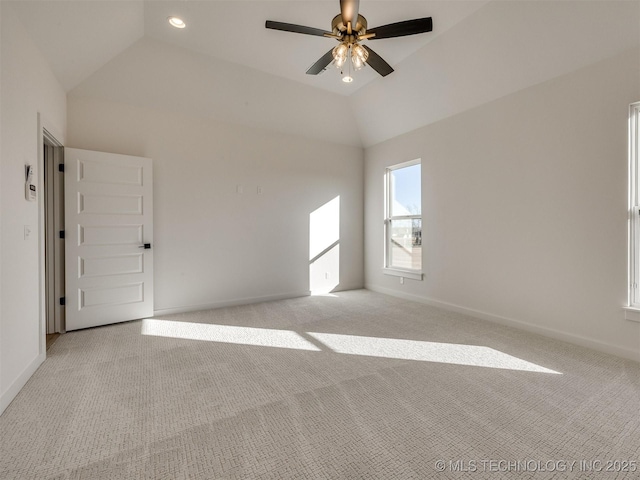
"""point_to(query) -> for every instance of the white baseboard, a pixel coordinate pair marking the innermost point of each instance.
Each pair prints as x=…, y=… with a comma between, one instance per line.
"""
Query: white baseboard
x=347, y=287
x=7, y=397
x=229, y=303
x=623, y=352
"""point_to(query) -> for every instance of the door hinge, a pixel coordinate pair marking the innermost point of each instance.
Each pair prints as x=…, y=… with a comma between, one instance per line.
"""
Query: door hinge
x=62, y=301
x=61, y=167
x=62, y=234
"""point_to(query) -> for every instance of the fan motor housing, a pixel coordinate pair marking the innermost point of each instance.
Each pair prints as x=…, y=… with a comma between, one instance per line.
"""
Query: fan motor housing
x=338, y=26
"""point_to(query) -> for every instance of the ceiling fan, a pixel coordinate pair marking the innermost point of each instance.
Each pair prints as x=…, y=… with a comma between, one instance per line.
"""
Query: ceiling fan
x=349, y=28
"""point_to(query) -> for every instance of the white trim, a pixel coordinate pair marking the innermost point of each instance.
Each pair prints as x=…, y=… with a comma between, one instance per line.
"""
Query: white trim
x=49, y=137
x=396, y=272
x=7, y=397
x=629, y=353
x=229, y=303
x=42, y=307
x=632, y=314
x=410, y=163
x=633, y=268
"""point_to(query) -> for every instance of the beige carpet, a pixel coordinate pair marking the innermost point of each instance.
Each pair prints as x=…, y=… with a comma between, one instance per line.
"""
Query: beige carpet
x=356, y=385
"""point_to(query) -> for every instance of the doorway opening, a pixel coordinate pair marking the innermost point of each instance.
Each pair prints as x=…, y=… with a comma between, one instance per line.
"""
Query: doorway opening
x=54, y=236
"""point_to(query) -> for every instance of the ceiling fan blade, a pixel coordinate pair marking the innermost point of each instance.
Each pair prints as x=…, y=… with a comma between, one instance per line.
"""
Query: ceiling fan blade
x=402, y=29
x=321, y=64
x=376, y=62
x=290, y=27
x=349, y=11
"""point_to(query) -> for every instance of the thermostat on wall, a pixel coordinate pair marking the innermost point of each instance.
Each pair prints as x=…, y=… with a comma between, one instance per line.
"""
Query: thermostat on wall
x=29, y=187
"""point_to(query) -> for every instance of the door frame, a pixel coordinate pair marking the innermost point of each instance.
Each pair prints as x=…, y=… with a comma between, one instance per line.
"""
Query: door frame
x=51, y=133
x=54, y=224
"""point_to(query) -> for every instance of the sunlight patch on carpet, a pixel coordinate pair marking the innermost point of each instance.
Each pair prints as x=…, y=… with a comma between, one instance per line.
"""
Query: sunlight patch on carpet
x=262, y=337
x=394, y=348
x=472, y=355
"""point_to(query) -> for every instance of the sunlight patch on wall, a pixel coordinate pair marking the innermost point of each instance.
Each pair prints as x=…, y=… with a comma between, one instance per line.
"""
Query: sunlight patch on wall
x=324, y=247
x=324, y=273
x=472, y=355
x=262, y=337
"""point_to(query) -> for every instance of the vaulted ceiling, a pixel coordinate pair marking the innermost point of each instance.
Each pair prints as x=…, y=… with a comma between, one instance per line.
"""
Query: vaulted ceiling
x=78, y=36
x=226, y=65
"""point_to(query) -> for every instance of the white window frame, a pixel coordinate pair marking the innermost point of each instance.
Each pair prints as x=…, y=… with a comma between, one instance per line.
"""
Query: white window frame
x=413, y=274
x=633, y=304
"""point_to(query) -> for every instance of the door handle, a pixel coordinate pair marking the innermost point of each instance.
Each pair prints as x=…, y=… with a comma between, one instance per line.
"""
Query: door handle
x=146, y=246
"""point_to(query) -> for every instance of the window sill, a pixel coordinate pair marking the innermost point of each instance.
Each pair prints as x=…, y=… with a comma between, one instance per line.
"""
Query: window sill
x=413, y=275
x=632, y=314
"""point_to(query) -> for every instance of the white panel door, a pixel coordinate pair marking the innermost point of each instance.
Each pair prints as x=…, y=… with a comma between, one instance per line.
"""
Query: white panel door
x=108, y=238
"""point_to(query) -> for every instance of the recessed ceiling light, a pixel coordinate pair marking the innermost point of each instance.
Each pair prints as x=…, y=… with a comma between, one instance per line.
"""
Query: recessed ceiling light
x=347, y=79
x=176, y=22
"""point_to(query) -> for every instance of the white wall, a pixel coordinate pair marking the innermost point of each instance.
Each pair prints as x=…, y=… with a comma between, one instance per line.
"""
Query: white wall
x=525, y=207
x=27, y=88
x=1, y=157
x=214, y=246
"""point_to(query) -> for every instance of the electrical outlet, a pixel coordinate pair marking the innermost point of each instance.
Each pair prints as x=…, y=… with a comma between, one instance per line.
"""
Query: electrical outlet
x=401, y=280
x=27, y=231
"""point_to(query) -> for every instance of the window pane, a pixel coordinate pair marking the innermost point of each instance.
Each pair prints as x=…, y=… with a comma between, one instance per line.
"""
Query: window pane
x=405, y=191
x=405, y=247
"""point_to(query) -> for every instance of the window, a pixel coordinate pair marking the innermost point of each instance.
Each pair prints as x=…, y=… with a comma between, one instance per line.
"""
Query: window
x=403, y=220
x=634, y=205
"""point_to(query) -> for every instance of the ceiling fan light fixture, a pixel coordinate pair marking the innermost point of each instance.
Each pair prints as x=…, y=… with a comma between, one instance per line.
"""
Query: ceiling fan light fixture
x=340, y=54
x=176, y=22
x=359, y=56
x=347, y=79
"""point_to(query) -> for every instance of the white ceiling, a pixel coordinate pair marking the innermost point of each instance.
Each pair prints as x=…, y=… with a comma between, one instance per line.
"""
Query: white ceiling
x=503, y=48
x=79, y=36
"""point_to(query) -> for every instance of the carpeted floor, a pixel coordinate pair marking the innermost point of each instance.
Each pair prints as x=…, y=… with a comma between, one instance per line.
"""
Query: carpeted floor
x=355, y=385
